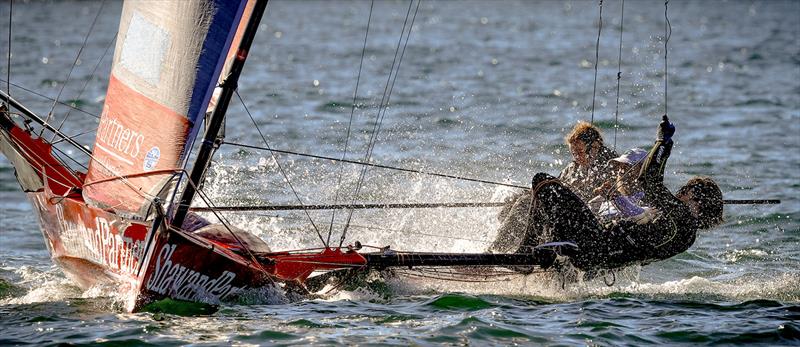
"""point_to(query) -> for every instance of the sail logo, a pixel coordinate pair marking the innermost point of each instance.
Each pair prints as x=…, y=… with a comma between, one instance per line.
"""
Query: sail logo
x=179, y=282
x=118, y=140
x=151, y=158
x=659, y=154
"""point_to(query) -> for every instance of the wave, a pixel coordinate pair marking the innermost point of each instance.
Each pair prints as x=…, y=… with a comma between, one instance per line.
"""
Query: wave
x=29, y=285
x=548, y=288
x=760, y=102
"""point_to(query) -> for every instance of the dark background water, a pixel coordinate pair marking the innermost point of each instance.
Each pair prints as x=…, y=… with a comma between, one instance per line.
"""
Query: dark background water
x=485, y=90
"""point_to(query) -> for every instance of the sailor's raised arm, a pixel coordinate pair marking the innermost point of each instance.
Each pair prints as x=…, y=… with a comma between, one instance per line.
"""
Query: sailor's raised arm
x=653, y=168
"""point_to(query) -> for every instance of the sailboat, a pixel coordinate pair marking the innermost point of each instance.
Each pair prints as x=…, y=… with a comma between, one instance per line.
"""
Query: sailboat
x=126, y=222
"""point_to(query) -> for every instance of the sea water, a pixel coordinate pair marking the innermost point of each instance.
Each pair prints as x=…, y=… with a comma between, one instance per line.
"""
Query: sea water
x=484, y=90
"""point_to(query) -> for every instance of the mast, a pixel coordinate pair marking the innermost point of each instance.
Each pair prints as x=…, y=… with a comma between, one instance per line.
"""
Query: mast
x=228, y=87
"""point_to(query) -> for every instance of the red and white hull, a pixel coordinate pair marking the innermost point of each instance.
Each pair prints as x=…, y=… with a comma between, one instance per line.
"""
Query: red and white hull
x=97, y=247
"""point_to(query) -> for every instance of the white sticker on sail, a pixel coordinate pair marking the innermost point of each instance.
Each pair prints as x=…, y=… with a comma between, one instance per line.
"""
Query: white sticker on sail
x=151, y=159
x=144, y=48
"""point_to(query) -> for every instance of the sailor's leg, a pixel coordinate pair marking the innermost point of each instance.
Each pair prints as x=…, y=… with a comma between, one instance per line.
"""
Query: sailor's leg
x=520, y=229
x=562, y=216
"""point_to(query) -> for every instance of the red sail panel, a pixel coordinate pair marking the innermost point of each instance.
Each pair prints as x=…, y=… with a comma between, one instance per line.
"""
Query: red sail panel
x=137, y=137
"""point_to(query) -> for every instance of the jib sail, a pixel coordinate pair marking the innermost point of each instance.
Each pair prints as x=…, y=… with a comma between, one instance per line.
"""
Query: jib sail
x=167, y=62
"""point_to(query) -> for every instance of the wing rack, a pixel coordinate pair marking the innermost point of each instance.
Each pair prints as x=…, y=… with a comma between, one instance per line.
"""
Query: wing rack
x=299, y=265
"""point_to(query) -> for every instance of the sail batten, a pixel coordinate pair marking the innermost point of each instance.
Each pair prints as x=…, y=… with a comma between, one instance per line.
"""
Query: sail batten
x=166, y=67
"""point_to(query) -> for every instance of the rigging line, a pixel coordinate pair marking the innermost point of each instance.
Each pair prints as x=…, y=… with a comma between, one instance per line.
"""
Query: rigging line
x=394, y=80
x=387, y=95
x=40, y=166
x=619, y=71
x=31, y=91
x=379, y=123
x=8, y=58
x=70, y=158
x=382, y=108
x=222, y=220
x=280, y=168
x=35, y=118
x=226, y=223
x=86, y=84
x=378, y=119
x=391, y=88
x=597, y=56
x=350, y=123
x=39, y=160
x=383, y=101
x=368, y=227
x=74, y=63
x=422, y=172
x=667, y=35
x=360, y=206
x=73, y=136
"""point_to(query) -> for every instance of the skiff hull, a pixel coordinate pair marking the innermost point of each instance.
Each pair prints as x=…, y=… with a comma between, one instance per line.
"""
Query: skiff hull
x=95, y=247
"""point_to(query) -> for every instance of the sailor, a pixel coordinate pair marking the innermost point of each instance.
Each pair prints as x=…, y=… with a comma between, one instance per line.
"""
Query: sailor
x=590, y=166
x=585, y=176
x=556, y=213
x=620, y=196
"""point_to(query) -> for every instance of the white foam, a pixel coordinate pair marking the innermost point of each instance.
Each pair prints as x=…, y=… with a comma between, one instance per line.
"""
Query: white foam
x=42, y=286
x=784, y=288
x=50, y=285
x=735, y=255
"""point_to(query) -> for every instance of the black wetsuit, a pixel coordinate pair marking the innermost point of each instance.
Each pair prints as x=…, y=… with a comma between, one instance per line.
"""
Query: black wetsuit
x=558, y=214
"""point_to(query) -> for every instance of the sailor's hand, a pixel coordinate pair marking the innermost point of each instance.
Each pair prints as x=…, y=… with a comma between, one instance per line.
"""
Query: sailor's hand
x=603, y=189
x=596, y=202
x=650, y=214
x=665, y=130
